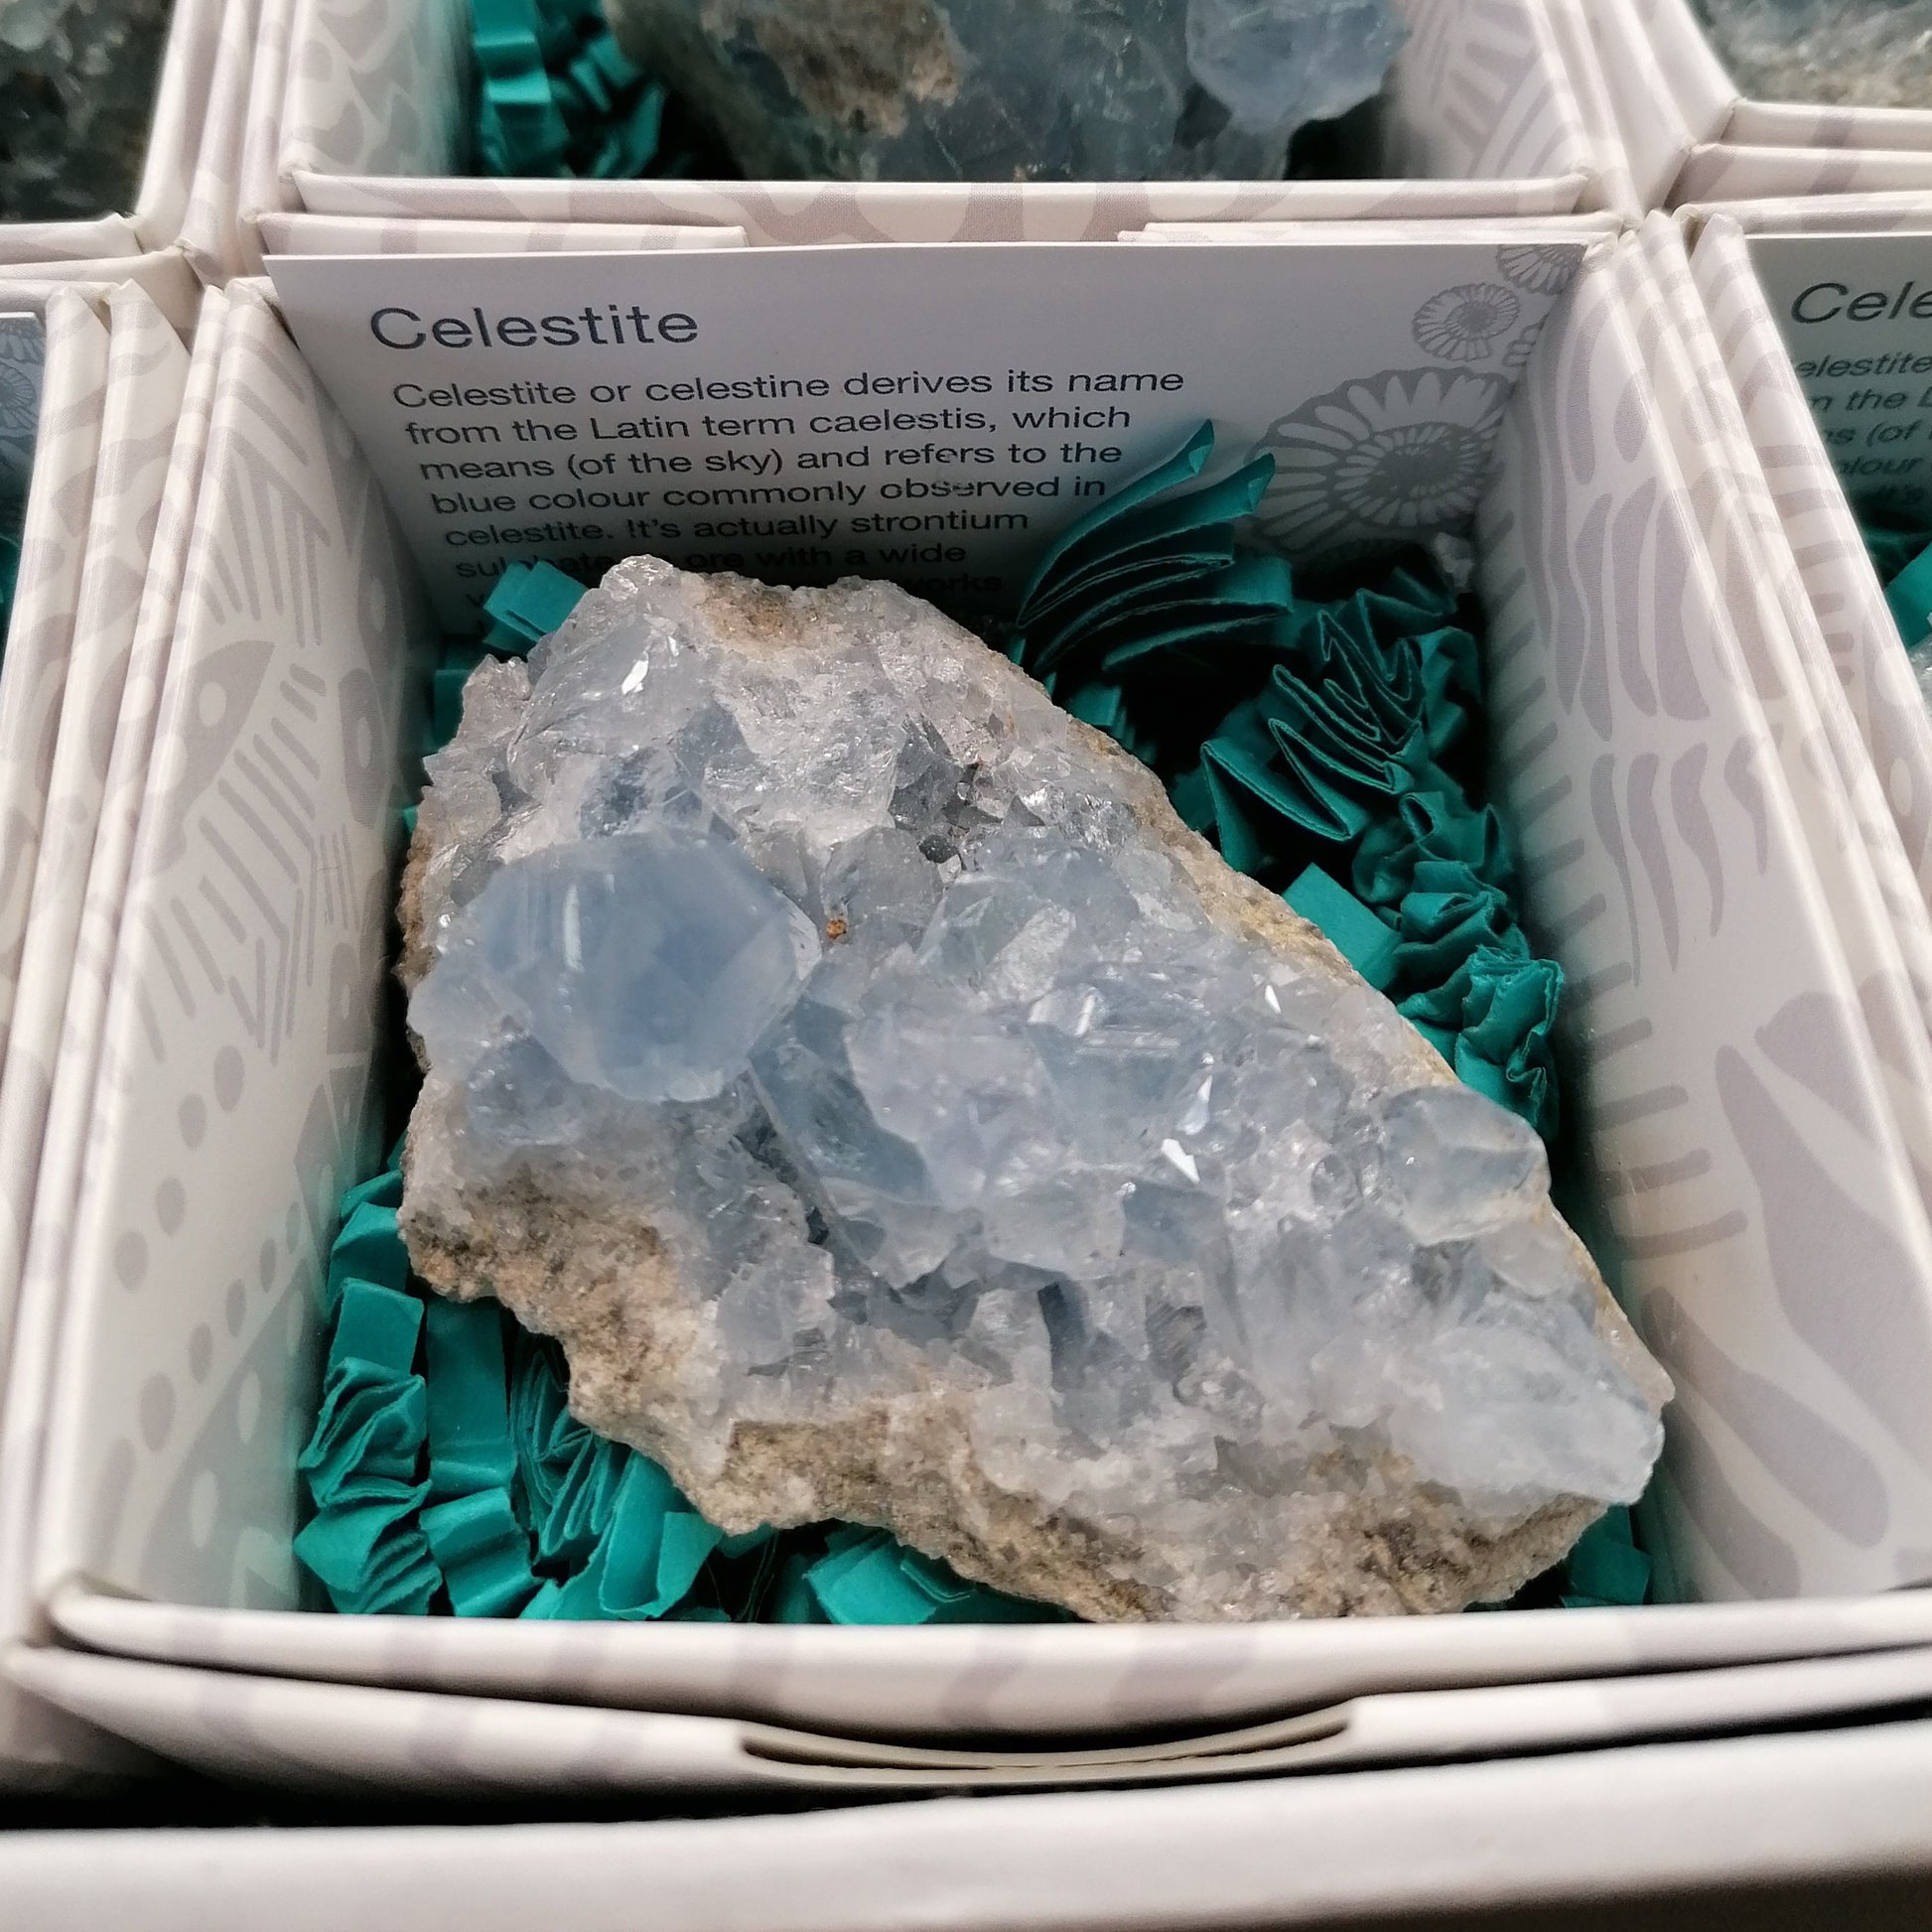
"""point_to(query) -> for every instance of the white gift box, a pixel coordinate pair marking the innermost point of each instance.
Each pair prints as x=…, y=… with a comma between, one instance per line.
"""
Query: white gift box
x=1492, y=108
x=1691, y=136
x=1704, y=854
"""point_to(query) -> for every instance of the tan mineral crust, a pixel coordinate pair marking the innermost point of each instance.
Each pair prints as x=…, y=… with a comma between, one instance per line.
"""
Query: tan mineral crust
x=901, y=1117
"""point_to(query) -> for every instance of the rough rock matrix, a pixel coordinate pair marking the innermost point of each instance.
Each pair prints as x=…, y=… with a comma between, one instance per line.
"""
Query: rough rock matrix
x=901, y=1117
x=1012, y=90
x=76, y=95
x=1847, y=53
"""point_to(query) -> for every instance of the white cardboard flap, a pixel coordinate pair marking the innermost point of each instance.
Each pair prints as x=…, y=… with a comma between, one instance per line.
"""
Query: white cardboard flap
x=1704, y=94
x=286, y=1732
x=1722, y=172
x=210, y=234
x=1045, y=1681
x=259, y=186
x=39, y=1745
x=74, y=1068
x=1798, y=124
x=1859, y=631
x=1480, y=91
x=1875, y=213
x=1615, y=187
x=1734, y=1115
x=367, y=234
x=165, y=275
x=71, y=1093
x=146, y=364
x=786, y=213
x=1641, y=79
x=32, y=245
x=1877, y=905
x=1692, y=138
x=376, y=90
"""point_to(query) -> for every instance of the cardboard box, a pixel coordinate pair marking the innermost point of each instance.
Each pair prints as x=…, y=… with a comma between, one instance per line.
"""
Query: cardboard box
x=73, y=664
x=1486, y=114
x=1690, y=135
x=1675, y=810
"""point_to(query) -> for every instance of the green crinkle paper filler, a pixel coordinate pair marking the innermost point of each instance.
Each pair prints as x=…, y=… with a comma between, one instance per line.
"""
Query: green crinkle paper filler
x=483, y=1551
x=1351, y=928
x=361, y=1465
x=368, y=1249
x=1901, y=554
x=1893, y=540
x=529, y=602
x=1605, y=1569
x=1324, y=745
x=470, y=1448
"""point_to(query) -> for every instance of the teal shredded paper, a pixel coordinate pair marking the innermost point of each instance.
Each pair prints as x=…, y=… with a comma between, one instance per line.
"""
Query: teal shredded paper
x=1901, y=553
x=361, y=1465
x=555, y=96
x=1368, y=944
x=1892, y=541
x=1330, y=748
x=1605, y=1569
x=470, y=1447
x=9, y=574
x=367, y=1250
x=483, y=1552
x=529, y=602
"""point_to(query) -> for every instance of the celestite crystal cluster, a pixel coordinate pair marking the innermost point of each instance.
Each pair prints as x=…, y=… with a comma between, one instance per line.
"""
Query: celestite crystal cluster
x=1012, y=90
x=76, y=95
x=899, y=1117
x=1856, y=52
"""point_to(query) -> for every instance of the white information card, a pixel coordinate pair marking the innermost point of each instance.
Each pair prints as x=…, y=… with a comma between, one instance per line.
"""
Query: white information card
x=935, y=414
x=1855, y=311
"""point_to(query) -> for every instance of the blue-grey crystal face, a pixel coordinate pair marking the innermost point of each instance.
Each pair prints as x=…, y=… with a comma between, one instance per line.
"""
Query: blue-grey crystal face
x=859, y=974
x=645, y=964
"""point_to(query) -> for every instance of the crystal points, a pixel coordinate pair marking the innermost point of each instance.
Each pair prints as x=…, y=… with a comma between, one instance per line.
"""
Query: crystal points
x=1003, y=90
x=899, y=1117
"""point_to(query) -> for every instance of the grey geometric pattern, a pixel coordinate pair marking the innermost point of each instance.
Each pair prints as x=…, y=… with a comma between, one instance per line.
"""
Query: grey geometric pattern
x=238, y=1092
x=34, y=672
x=1736, y=1108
